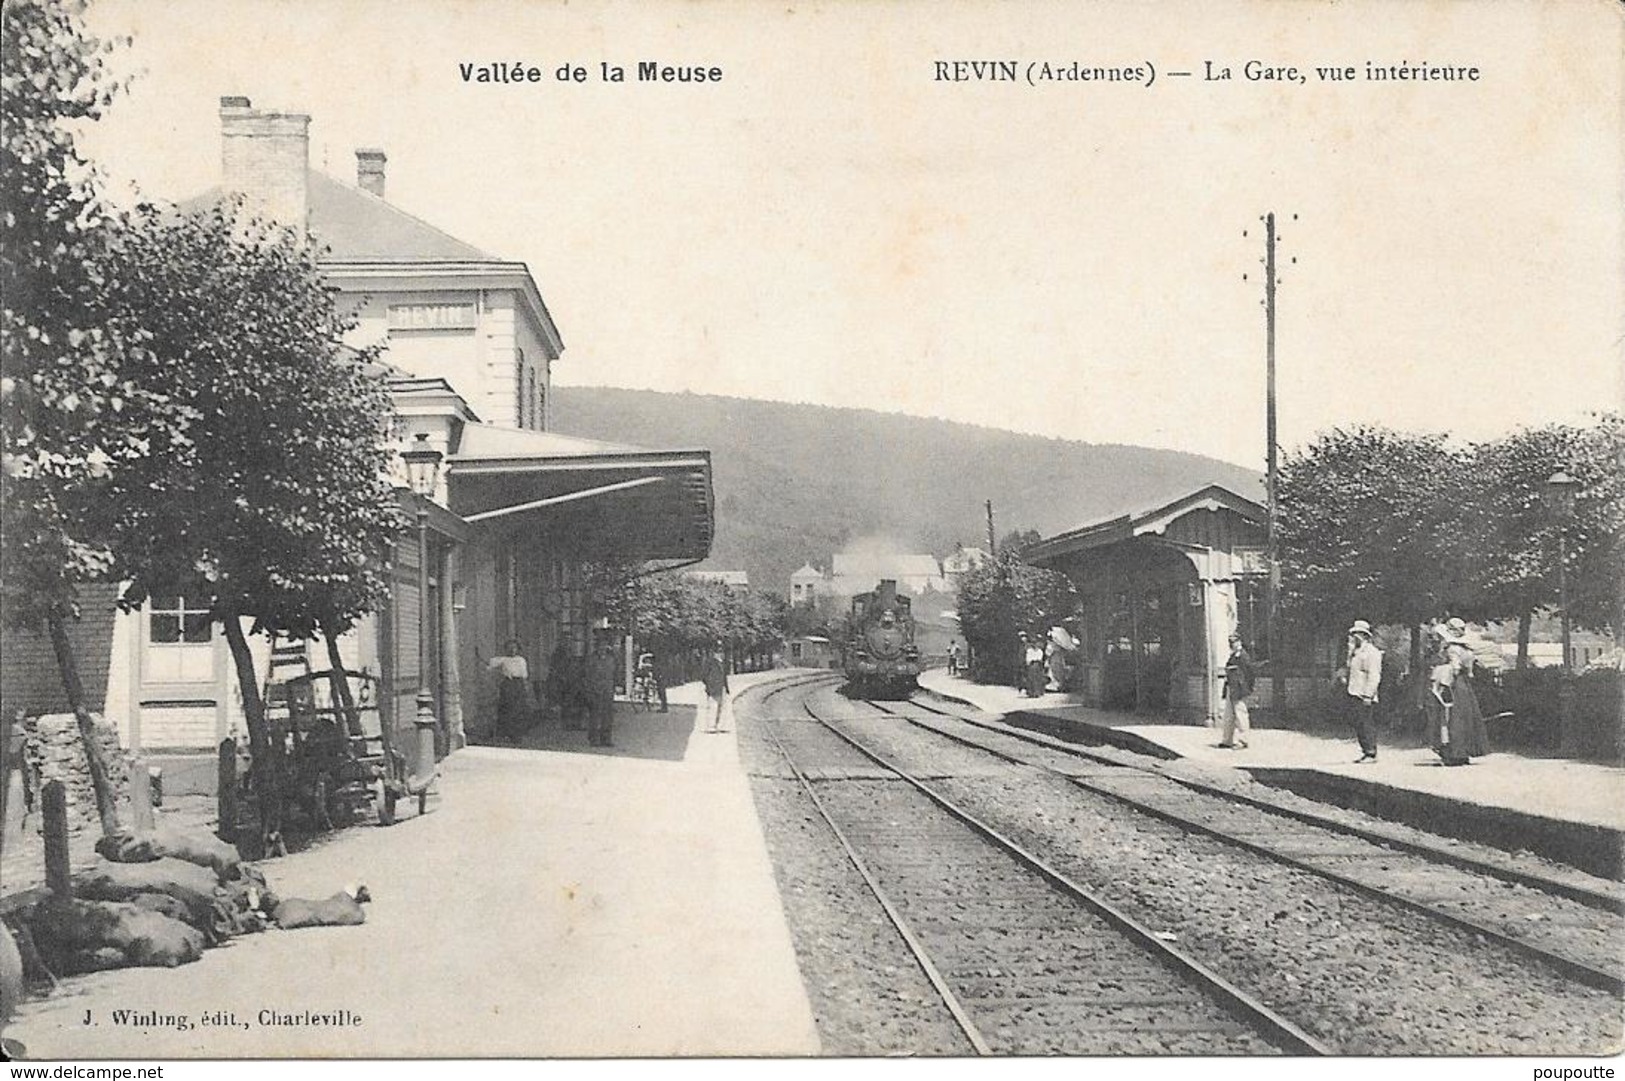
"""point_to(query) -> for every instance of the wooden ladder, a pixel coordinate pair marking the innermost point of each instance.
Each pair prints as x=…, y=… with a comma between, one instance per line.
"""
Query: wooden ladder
x=289, y=659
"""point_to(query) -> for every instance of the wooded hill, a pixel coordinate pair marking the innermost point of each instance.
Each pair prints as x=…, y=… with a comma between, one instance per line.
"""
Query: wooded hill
x=795, y=483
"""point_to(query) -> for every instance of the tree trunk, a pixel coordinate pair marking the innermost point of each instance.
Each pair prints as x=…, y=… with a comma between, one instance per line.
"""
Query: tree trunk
x=264, y=774
x=1524, y=622
x=75, y=690
x=1418, y=677
x=340, y=681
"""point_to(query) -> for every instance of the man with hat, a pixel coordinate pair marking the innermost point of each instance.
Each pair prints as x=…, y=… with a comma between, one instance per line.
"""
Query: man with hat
x=1364, y=676
x=1238, y=686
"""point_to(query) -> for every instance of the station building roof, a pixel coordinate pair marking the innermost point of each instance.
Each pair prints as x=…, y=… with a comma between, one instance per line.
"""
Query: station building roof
x=614, y=500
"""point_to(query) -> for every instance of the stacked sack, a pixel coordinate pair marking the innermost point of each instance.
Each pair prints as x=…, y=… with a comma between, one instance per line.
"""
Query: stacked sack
x=160, y=898
x=157, y=899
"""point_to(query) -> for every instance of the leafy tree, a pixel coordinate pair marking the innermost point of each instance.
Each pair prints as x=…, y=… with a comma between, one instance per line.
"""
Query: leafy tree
x=1517, y=535
x=1402, y=527
x=1002, y=597
x=279, y=506
x=824, y=617
x=1596, y=537
x=71, y=417
x=676, y=614
x=1018, y=541
x=1369, y=524
x=761, y=622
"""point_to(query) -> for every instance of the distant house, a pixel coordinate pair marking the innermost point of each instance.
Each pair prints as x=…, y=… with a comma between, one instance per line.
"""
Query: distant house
x=962, y=560
x=807, y=585
x=812, y=651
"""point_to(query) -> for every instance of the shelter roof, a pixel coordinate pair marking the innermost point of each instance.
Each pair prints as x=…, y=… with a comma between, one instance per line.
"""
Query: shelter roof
x=1150, y=521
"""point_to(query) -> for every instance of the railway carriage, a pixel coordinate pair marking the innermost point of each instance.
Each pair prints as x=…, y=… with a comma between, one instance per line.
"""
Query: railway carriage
x=879, y=655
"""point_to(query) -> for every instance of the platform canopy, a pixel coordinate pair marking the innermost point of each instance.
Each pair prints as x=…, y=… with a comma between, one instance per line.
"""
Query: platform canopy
x=608, y=500
x=1241, y=515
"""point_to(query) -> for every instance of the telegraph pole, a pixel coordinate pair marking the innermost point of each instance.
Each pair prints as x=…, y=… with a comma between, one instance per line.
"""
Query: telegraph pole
x=1273, y=588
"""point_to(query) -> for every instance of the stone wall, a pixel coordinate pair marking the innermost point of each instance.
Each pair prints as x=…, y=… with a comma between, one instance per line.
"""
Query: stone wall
x=52, y=749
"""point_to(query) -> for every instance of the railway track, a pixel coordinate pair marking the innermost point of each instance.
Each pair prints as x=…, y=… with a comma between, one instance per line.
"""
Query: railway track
x=1440, y=885
x=1025, y=959
x=1574, y=885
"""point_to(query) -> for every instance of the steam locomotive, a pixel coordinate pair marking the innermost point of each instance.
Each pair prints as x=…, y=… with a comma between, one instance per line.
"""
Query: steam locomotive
x=879, y=655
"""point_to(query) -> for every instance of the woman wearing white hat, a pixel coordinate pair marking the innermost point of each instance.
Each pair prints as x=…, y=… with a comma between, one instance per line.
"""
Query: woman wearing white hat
x=1455, y=721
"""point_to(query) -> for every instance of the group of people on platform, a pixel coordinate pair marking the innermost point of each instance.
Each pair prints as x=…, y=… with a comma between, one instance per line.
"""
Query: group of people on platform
x=1455, y=717
x=581, y=689
x=1047, y=661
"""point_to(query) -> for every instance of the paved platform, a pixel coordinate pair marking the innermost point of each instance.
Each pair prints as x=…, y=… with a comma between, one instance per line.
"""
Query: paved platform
x=561, y=901
x=1566, y=810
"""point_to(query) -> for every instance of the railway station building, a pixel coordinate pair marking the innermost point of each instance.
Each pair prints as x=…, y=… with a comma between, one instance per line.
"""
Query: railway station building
x=519, y=509
x=1160, y=591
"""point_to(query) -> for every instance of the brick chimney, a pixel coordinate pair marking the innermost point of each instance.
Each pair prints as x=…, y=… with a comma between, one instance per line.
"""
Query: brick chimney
x=266, y=157
x=369, y=170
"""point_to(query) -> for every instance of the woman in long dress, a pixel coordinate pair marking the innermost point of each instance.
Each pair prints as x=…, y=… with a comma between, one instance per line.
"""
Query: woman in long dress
x=513, y=692
x=1455, y=720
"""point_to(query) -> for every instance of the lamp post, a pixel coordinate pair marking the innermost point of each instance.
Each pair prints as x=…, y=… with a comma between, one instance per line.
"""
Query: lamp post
x=1559, y=494
x=423, y=472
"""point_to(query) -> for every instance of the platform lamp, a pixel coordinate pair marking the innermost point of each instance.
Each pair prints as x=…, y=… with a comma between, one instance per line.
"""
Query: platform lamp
x=423, y=472
x=1559, y=496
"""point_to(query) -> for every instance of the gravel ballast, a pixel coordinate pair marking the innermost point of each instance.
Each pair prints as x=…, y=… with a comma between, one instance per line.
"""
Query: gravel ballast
x=1366, y=976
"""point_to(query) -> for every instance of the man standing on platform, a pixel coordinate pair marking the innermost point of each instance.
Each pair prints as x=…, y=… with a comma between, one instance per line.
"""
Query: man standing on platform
x=714, y=675
x=1238, y=686
x=600, y=693
x=1364, y=677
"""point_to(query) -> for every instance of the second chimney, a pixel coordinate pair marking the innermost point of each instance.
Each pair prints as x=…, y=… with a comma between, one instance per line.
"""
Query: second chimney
x=369, y=171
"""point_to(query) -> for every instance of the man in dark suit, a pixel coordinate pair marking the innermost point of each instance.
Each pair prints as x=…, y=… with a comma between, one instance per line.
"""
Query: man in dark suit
x=600, y=694
x=1238, y=687
x=714, y=675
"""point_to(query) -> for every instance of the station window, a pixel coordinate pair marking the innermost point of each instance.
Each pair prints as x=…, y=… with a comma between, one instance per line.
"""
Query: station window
x=175, y=619
x=179, y=646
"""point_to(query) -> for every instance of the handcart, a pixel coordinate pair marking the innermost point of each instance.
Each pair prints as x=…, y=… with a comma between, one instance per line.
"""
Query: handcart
x=342, y=756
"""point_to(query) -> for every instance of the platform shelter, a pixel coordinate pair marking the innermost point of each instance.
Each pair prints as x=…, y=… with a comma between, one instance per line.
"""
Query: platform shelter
x=1160, y=592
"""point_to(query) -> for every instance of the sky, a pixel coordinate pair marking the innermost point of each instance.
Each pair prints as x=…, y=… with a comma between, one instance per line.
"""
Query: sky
x=831, y=223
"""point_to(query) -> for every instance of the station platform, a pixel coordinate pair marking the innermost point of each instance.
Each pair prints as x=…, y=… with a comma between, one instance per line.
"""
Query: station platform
x=558, y=900
x=1568, y=811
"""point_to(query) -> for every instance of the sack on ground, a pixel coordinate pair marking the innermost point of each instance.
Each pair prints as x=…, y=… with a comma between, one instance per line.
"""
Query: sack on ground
x=126, y=848
x=188, y=883
x=201, y=848
x=241, y=907
x=193, y=846
x=163, y=904
x=339, y=910
x=81, y=936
